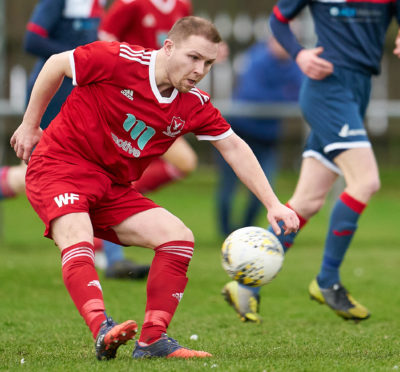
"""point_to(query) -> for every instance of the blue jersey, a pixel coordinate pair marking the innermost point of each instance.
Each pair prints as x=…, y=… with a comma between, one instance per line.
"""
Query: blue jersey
x=352, y=32
x=57, y=26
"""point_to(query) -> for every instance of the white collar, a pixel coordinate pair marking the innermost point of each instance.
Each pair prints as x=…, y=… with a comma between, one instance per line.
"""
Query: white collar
x=153, y=84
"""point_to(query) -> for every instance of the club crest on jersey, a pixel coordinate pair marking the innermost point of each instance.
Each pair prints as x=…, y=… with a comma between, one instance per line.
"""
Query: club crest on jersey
x=175, y=127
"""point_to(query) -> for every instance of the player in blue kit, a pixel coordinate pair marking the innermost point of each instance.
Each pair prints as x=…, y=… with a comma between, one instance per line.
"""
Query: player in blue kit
x=56, y=26
x=334, y=98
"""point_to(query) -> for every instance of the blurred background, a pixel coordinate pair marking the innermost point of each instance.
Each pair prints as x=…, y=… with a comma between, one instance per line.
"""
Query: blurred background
x=241, y=23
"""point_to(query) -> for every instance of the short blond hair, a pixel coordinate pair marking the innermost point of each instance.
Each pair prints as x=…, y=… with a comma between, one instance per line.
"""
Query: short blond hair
x=188, y=26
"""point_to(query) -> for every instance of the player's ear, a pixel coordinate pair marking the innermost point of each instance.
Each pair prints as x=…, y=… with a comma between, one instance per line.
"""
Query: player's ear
x=168, y=46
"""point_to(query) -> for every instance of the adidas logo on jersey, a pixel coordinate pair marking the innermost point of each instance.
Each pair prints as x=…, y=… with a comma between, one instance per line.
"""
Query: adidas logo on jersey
x=128, y=93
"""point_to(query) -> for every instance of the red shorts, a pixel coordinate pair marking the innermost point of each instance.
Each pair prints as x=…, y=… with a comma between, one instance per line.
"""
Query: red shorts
x=55, y=188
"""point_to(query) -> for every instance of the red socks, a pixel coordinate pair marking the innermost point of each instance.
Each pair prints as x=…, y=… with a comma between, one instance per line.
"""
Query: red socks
x=82, y=282
x=158, y=173
x=165, y=286
x=302, y=220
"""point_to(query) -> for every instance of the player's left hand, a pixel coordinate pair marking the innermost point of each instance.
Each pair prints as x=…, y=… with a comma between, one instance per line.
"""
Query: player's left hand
x=396, y=50
x=280, y=212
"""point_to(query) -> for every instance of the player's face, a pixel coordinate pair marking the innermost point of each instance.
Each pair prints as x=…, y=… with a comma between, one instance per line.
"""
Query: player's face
x=189, y=61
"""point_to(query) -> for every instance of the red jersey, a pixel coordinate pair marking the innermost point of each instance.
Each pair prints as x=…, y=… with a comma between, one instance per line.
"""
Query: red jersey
x=144, y=22
x=116, y=119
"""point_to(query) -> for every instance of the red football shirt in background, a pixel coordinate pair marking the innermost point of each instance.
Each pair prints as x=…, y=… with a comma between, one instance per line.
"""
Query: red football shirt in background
x=144, y=22
x=116, y=120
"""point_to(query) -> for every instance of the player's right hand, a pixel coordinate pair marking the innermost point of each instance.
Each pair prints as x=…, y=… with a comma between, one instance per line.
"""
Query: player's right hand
x=280, y=212
x=312, y=65
x=24, y=139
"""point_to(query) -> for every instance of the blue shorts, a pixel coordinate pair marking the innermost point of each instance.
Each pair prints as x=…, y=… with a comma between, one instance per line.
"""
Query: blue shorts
x=335, y=108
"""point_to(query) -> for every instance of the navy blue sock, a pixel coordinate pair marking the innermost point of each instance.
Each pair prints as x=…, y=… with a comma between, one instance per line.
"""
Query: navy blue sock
x=113, y=252
x=288, y=240
x=342, y=226
x=254, y=290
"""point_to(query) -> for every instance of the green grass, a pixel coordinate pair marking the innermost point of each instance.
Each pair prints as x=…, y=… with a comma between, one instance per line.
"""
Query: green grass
x=38, y=322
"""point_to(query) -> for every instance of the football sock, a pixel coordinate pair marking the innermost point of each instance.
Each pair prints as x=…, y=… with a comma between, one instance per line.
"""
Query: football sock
x=158, y=173
x=165, y=286
x=5, y=189
x=113, y=252
x=244, y=288
x=287, y=240
x=81, y=280
x=342, y=226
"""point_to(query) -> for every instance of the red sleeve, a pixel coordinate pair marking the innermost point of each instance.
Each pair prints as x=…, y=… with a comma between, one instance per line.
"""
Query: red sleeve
x=118, y=20
x=209, y=123
x=94, y=62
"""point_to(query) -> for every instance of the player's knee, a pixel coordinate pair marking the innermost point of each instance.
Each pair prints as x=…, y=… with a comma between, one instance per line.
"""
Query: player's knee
x=372, y=186
x=314, y=207
x=184, y=233
x=176, y=231
x=308, y=207
x=187, y=235
x=363, y=190
x=16, y=178
x=188, y=163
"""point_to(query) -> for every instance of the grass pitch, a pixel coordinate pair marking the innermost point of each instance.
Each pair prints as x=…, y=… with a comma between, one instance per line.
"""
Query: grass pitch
x=40, y=329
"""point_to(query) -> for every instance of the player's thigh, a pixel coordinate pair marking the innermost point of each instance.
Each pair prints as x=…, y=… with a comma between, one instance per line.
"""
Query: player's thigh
x=152, y=228
x=182, y=156
x=313, y=185
x=71, y=229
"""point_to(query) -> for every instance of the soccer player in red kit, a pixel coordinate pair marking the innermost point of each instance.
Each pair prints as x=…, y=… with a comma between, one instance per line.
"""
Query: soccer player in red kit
x=129, y=106
x=146, y=23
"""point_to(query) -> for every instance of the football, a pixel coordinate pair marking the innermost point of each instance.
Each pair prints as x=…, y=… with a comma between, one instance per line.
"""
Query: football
x=252, y=256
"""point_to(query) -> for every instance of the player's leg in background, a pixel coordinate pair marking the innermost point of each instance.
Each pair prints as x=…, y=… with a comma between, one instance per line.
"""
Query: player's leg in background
x=173, y=244
x=12, y=180
x=178, y=162
x=225, y=195
x=362, y=181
